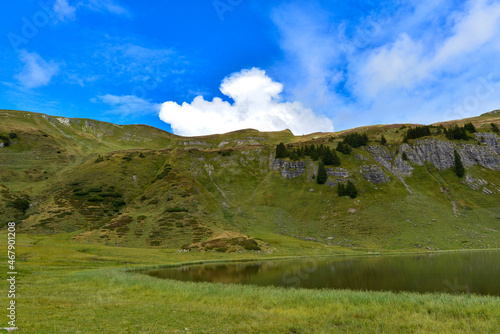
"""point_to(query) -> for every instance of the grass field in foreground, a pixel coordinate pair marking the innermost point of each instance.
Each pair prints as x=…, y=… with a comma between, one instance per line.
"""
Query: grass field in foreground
x=65, y=287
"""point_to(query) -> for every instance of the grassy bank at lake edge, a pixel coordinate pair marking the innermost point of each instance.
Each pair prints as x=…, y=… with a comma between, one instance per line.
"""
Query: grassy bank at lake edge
x=65, y=287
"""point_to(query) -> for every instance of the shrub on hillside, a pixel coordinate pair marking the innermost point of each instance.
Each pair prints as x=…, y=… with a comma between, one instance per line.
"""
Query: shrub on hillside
x=95, y=198
x=118, y=203
x=166, y=170
x=81, y=193
x=111, y=194
x=347, y=190
x=494, y=127
x=5, y=140
x=226, y=153
x=176, y=209
x=20, y=204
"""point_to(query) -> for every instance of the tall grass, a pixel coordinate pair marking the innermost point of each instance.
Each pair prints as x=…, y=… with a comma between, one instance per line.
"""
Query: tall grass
x=88, y=289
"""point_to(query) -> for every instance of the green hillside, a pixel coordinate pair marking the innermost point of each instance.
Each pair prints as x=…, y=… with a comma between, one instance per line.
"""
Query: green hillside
x=137, y=186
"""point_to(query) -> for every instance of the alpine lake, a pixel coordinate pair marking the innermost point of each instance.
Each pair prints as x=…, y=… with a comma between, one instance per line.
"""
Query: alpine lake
x=472, y=272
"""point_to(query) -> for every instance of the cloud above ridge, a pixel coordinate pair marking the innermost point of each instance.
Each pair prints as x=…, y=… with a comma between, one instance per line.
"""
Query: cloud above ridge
x=257, y=104
x=419, y=62
x=36, y=71
x=128, y=105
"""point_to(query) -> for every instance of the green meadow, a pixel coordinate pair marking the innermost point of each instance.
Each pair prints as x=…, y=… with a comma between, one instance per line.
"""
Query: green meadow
x=94, y=201
x=66, y=287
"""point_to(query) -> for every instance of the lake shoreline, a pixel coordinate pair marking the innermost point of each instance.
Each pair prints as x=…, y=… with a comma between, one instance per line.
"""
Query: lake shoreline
x=68, y=287
x=369, y=254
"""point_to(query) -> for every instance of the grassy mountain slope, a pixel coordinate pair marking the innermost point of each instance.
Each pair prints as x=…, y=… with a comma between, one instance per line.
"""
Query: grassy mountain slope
x=139, y=186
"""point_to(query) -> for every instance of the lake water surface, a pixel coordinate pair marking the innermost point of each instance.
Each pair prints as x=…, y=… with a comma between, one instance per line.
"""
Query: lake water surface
x=461, y=272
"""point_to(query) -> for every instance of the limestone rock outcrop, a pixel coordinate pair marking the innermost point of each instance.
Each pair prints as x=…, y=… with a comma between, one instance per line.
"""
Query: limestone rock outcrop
x=289, y=169
x=374, y=174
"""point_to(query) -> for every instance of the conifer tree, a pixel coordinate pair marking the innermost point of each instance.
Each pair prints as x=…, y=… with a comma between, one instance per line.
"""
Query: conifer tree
x=344, y=148
x=341, y=190
x=351, y=190
x=356, y=140
x=327, y=156
x=340, y=146
x=470, y=127
x=314, y=153
x=280, y=151
x=404, y=156
x=322, y=176
x=347, y=190
x=494, y=127
x=459, y=167
x=457, y=133
x=364, y=139
x=418, y=132
x=383, y=141
x=336, y=159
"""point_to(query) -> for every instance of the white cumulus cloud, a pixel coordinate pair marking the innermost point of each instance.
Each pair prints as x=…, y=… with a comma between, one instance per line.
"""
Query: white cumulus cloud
x=419, y=62
x=257, y=105
x=36, y=71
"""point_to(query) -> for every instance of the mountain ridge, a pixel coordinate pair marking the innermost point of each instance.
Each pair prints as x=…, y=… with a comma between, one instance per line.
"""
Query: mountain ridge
x=139, y=186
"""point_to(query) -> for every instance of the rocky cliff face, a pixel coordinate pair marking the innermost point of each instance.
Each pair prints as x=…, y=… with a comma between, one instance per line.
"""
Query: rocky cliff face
x=390, y=161
x=484, y=152
x=289, y=169
x=480, y=184
x=336, y=175
x=490, y=140
x=374, y=174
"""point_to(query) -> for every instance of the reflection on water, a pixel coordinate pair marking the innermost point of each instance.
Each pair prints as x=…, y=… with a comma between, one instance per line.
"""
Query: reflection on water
x=471, y=272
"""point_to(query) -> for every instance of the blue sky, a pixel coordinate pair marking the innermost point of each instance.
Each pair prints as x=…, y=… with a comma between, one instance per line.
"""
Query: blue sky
x=197, y=67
